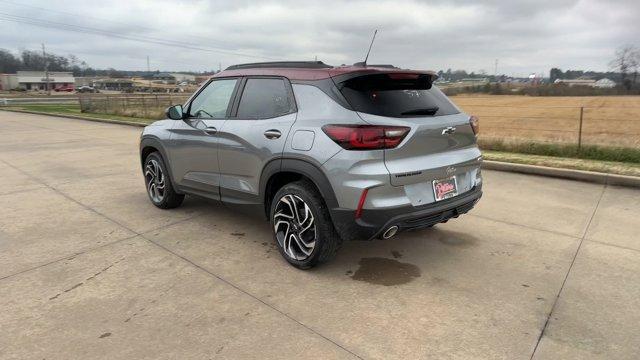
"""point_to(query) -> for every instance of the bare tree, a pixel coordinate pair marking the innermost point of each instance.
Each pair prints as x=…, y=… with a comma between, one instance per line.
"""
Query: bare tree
x=626, y=62
x=635, y=66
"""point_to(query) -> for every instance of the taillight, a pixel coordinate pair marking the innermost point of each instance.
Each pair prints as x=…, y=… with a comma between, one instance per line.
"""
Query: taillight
x=474, y=121
x=366, y=137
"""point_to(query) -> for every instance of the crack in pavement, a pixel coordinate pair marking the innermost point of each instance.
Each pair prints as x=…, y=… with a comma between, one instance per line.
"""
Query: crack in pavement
x=238, y=288
x=523, y=226
x=201, y=268
x=66, y=257
x=555, y=302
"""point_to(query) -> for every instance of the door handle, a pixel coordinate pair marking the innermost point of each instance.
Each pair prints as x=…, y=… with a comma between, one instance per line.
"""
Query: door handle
x=272, y=134
x=210, y=130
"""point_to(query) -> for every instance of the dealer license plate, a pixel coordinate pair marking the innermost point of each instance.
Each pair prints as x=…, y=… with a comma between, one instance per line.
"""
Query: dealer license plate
x=445, y=188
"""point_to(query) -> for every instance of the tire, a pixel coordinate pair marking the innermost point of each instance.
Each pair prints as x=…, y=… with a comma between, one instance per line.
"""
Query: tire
x=325, y=239
x=157, y=183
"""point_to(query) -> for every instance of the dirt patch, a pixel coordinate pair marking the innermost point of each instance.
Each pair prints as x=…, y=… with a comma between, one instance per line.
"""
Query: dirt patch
x=387, y=272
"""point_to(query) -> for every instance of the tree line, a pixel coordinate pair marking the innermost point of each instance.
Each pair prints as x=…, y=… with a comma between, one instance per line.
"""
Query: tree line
x=29, y=60
x=625, y=67
x=34, y=60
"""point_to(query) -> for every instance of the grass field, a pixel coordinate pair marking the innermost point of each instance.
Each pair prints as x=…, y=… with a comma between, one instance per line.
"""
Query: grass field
x=70, y=109
x=612, y=167
x=606, y=120
x=547, y=127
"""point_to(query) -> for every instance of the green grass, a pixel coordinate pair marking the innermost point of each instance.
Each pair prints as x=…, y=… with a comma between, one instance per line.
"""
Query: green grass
x=587, y=152
x=611, y=167
x=72, y=109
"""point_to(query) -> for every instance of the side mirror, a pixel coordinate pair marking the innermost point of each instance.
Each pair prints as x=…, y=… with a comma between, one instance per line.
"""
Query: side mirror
x=175, y=112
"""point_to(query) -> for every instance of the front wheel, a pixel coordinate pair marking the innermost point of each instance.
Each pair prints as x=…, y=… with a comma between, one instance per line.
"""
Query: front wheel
x=302, y=226
x=159, y=187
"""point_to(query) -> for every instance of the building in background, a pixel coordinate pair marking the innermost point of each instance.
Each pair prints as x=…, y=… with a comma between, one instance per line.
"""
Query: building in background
x=8, y=81
x=474, y=81
x=163, y=78
x=576, y=82
x=37, y=80
x=605, y=83
x=86, y=80
x=125, y=85
x=184, y=78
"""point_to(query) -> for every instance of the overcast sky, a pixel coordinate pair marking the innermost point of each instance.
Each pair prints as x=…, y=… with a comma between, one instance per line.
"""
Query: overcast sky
x=526, y=36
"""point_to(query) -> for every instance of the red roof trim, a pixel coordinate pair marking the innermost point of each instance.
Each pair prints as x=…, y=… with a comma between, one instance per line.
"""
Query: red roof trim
x=314, y=74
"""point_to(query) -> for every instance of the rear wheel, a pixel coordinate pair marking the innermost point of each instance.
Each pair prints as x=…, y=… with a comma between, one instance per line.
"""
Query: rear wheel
x=159, y=188
x=302, y=226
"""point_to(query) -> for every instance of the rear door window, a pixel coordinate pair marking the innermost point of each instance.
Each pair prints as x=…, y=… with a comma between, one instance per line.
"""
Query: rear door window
x=264, y=98
x=396, y=95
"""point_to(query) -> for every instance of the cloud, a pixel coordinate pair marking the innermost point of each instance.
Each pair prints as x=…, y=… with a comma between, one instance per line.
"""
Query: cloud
x=527, y=36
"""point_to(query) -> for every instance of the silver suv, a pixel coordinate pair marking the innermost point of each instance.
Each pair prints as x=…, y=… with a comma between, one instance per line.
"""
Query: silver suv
x=326, y=154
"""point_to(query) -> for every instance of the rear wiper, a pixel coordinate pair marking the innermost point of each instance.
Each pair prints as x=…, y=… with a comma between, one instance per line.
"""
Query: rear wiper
x=423, y=111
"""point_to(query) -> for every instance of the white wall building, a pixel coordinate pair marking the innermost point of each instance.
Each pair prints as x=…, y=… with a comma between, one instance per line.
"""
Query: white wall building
x=576, y=82
x=605, y=83
x=8, y=81
x=37, y=80
x=184, y=77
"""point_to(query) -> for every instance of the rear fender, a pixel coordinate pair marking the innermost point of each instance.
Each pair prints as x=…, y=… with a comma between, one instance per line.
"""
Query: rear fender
x=302, y=167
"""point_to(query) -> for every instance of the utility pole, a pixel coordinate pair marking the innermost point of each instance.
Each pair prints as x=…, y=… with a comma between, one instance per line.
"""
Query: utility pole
x=219, y=66
x=46, y=70
x=495, y=70
x=149, y=73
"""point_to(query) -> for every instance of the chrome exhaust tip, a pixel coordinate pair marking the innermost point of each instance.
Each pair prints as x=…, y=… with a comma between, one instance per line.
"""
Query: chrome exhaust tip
x=390, y=232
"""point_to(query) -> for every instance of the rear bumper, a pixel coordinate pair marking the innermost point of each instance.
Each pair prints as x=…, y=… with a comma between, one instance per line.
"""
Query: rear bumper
x=373, y=222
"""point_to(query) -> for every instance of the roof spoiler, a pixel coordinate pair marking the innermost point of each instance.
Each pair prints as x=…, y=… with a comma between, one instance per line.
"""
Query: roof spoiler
x=387, y=66
x=411, y=79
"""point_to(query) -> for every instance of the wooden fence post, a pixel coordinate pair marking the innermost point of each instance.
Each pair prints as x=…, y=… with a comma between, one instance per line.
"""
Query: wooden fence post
x=144, y=106
x=580, y=128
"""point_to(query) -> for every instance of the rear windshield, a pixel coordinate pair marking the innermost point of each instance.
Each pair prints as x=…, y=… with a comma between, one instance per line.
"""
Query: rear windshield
x=396, y=95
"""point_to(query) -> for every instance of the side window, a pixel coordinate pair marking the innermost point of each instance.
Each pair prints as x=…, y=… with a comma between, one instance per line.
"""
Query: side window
x=212, y=101
x=264, y=98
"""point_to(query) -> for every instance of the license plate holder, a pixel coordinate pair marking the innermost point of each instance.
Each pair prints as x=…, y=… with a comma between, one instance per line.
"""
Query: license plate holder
x=445, y=188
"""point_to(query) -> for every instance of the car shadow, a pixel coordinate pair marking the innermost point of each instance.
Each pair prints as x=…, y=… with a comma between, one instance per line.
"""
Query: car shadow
x=396, y=261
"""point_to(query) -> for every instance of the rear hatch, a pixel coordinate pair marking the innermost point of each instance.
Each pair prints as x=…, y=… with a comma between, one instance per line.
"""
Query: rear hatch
x=441, y=142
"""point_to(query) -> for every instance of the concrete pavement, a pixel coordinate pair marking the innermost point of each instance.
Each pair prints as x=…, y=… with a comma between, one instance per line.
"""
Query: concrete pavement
x=90, y=269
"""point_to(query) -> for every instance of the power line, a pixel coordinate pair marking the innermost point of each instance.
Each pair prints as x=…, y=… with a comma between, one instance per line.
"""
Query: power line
x=156, y=61
x=78, y=15
x=95, y=31
x=71, y=13
x=107, y=33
